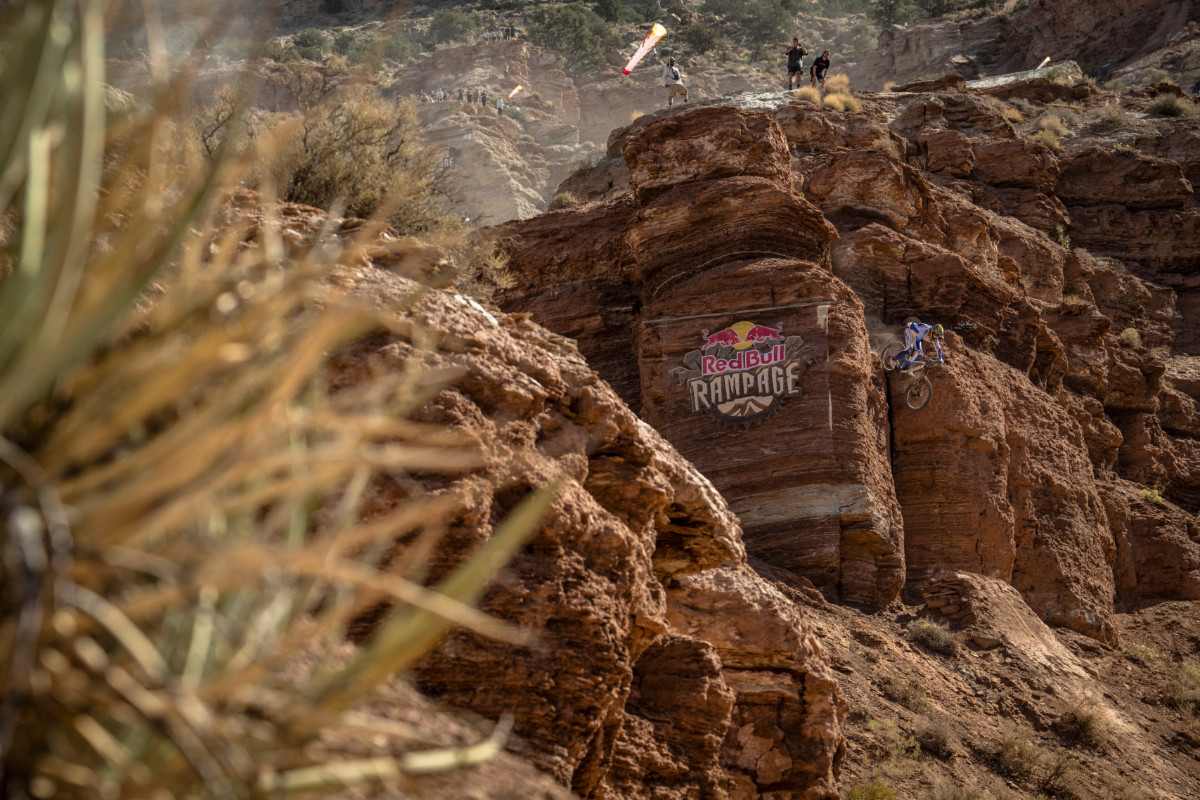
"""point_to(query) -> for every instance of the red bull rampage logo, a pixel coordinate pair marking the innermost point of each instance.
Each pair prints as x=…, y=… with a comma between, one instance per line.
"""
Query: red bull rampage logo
x=741, y=374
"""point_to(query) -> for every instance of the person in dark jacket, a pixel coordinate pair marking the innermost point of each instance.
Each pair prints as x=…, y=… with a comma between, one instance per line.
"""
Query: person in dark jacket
x=818, y=69
x=796, y=54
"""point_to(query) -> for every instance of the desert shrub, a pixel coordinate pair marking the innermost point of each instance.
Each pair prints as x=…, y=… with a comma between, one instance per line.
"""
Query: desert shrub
x=344, y=42
x=1107, y=117
x=1015, y=754
x=893, y=12
x=933, y=637
x=1159, y=76
x=850, y=103
x=358, y=150
x=1171, y=105
x=876, y=790
x=1121, y=789
x=1124, y=148
x=279, y=52
x=808, y=94
x=948, y=790
x=213, y=480
x=702, y=38
x=937, y=8
x=637, y=112
x=234, y=48
x=898, y=749
x=448, y=25
x=1085, y=722
x=1130, y=338
x=609, y=10
x=401, y=48
x=1048, y=138
x=1053, y=123
x=562, y=200
x=1144, y=655
x=888, y=147
x=1183, y=690
x=906, y=691
x=935, y=737
x=760, y=53
x=838, y=83
x=1058, y=775
x=1113, y=85
x=576, y=32
x=1013, y=115
x=835, y=101
x=311, y=43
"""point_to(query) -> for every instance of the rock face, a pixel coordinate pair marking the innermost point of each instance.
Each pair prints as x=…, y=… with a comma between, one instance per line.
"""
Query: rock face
x=1054, y=457
x=742, y=336
x=1102, y=37
x=639, y=686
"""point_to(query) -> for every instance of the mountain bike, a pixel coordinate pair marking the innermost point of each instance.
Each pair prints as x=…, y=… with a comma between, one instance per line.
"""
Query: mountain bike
x=920, y=388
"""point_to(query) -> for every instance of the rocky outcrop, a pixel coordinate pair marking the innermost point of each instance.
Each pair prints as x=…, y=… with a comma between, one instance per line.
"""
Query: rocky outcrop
x=1106, y=38
x=636, y=686
x=934, y=206
x=714, y=244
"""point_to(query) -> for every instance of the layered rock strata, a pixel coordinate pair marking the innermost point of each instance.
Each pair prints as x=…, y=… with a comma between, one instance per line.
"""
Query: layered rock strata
x=637, y=686
x=706, y=296
x=1053, y=412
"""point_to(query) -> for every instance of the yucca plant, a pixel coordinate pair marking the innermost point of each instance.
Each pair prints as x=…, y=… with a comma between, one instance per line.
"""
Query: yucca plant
x=179, y=488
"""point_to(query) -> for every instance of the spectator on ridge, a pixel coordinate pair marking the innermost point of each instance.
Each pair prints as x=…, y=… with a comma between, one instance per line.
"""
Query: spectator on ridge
x=818, y=69
x=672, y=80
x=795, y=54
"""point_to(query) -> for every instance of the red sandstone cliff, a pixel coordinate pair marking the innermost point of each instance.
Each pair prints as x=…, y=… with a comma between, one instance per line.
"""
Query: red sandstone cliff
x=1049, y=427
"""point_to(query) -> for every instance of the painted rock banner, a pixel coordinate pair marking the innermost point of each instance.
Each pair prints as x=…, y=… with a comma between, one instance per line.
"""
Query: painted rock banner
x=745, y=396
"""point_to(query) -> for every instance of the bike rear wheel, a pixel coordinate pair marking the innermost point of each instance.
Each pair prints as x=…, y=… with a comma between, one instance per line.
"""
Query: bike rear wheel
x=888, y=355
x=919, y=393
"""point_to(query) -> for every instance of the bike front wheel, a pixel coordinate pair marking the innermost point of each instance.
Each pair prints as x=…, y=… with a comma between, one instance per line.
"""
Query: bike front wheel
x=918, y=394
x=888, y=355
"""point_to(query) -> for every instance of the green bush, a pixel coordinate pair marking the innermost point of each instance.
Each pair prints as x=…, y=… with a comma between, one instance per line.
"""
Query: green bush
x=702, y=38
x=401, y=48
x=893, y=12
x=1130, y=338
x=311, y=38
x=578, y=33
x=610, y=10
x=344, y=42
x=452, y=26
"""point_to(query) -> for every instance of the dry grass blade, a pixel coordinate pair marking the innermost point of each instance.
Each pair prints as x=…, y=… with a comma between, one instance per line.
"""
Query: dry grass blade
x=214, y=478
x=400, y=641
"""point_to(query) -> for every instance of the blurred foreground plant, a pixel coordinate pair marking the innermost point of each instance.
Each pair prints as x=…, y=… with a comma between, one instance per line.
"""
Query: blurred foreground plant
x=181, y=547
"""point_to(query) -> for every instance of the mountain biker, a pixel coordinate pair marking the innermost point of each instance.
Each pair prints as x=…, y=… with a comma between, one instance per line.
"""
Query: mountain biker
x=914, y=333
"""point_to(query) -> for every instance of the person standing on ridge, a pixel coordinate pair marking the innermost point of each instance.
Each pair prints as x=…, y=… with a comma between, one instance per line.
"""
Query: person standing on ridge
x=818, y=69
x=672, y=80
x=795, y=54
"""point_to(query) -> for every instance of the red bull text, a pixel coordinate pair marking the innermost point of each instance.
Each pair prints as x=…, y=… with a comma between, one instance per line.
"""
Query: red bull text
x=740, y=374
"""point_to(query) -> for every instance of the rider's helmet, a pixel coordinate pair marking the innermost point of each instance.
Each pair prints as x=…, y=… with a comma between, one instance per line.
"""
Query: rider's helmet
x=938, y=331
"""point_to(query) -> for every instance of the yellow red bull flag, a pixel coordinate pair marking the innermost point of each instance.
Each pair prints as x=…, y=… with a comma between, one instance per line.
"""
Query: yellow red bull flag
x=656, y=33
x=513, y=93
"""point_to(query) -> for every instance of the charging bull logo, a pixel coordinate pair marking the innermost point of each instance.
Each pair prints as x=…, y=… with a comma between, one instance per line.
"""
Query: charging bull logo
x=741, y=374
